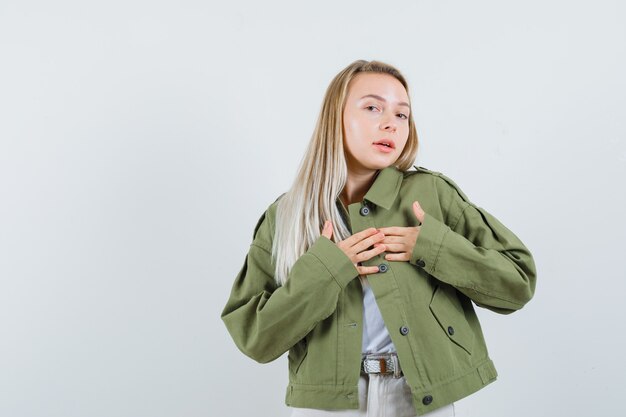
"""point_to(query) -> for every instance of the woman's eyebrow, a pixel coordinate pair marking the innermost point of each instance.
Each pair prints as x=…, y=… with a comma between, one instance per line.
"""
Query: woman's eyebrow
x=402, y=103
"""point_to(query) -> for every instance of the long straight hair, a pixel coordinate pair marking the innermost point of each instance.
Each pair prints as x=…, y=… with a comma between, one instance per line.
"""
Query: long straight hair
x=312, y=198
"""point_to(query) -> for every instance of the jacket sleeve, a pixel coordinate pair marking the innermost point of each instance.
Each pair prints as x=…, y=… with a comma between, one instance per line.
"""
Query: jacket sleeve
x=265, y=319
x=477, y=254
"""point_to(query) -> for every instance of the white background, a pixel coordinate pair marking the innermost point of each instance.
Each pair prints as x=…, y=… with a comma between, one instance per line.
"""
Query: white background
x=140, y=141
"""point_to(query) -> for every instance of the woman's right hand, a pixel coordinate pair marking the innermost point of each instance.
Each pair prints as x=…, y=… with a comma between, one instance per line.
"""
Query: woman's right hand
x=355, y=247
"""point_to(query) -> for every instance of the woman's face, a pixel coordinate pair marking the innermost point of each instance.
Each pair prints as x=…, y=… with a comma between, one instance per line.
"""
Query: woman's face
x=376, y=113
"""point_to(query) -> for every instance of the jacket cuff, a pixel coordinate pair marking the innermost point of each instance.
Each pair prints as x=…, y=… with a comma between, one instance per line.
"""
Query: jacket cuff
x=335, y=260
x=426, y=250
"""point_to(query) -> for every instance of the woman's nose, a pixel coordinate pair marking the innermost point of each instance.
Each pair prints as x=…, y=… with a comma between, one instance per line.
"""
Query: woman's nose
x=389, y=125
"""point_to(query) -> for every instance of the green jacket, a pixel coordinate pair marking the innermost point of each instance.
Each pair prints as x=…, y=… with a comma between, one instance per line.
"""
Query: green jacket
x=462, y=255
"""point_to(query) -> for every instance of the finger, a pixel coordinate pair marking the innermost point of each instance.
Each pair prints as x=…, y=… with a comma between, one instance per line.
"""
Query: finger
x=366, y=243
x=393, y=230
x=328, y=229
x=367, y=270
x=352, y=240
x=369, y=254
x=393, y=239
x=418, y=211
x=403, y=256
x=395, y=247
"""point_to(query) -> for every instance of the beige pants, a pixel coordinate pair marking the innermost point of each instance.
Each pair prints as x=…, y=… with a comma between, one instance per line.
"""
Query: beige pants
x=379, y=396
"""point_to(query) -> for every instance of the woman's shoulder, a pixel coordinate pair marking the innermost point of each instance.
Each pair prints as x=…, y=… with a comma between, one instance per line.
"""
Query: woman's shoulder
x=442, y=182
x=264, y=229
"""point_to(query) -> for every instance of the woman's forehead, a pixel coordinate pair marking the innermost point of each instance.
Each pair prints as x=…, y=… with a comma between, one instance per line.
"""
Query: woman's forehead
x=377, y=85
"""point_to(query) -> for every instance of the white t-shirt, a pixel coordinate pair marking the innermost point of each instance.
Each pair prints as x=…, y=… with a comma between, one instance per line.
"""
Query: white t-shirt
x=376, y=337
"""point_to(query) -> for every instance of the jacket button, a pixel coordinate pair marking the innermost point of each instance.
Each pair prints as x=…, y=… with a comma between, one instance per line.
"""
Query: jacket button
x=450, y=330
x=404, y=330
x=421, y=263
x=427, y=399
x=364, y=211
x=382, y=268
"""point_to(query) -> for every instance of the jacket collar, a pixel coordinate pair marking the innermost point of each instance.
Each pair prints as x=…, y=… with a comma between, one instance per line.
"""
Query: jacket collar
x=385, y=188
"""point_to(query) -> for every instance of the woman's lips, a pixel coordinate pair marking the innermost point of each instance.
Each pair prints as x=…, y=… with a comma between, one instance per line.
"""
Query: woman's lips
x=383, y=148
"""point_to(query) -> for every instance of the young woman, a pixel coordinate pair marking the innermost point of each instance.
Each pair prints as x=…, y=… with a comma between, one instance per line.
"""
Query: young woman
x=366, y=271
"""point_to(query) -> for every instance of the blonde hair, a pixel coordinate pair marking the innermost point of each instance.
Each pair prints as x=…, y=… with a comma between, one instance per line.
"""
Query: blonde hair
x=312, y=198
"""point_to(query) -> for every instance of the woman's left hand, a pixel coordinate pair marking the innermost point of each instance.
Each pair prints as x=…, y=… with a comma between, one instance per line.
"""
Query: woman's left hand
x=399, y=240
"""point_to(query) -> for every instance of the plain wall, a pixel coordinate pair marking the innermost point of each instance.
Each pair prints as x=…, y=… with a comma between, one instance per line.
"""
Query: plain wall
x=140, y=141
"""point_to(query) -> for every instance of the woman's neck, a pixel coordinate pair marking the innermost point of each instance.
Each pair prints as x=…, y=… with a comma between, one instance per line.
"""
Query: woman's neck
x=357, y=185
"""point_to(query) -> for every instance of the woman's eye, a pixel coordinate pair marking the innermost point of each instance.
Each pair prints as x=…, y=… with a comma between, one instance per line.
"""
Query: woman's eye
x=402, y=115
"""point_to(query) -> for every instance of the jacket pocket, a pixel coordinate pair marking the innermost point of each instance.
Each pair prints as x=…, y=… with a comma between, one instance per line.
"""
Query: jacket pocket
x=297, y=354
x=448, y=311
